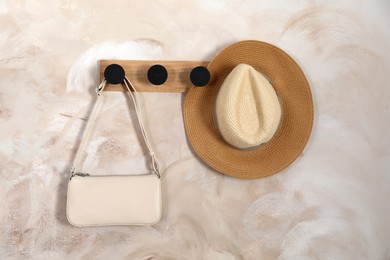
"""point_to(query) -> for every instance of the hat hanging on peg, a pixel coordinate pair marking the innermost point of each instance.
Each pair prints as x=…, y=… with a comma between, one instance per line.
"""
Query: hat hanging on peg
x=200, y=76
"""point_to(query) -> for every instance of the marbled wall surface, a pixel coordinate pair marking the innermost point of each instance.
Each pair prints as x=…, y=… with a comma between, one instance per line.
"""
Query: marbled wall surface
x=332, y=203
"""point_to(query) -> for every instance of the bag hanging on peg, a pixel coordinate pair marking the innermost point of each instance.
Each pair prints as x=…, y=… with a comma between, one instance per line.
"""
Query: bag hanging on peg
x=105, y=200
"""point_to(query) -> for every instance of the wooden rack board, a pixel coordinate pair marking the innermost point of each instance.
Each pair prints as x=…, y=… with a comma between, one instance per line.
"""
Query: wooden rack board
x=136, y=70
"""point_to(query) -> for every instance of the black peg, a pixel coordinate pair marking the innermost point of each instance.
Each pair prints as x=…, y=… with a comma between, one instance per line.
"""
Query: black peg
x=157, y=74
x=114, y=74
x=200, y=76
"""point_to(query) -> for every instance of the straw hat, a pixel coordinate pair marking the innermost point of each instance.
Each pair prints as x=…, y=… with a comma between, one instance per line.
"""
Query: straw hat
x=293, y=128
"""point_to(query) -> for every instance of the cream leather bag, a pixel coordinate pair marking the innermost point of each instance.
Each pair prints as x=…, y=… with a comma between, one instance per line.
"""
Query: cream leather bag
x=96, y=200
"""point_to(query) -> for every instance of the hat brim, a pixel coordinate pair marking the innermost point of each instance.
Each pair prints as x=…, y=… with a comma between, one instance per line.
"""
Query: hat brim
x=295, y=126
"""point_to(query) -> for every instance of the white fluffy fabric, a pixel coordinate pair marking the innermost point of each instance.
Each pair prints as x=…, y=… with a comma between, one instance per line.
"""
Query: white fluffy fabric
x=332, y=203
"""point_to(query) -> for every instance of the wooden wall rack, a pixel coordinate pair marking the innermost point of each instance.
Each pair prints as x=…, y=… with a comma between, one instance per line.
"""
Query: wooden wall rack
x=136, y=71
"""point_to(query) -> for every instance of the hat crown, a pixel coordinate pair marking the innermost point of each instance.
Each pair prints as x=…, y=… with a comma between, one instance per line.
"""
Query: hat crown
x=247, y=108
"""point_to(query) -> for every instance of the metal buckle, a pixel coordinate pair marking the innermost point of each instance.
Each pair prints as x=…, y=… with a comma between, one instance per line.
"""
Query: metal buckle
x=101, y=86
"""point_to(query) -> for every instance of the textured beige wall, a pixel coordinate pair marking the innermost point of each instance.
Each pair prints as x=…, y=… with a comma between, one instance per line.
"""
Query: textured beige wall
x=332, y=203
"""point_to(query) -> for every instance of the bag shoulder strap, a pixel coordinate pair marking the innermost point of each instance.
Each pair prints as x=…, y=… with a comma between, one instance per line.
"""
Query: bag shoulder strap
x=133, y=95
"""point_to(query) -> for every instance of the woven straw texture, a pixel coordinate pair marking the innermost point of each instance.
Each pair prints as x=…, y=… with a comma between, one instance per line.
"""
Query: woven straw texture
x=247, y=109
x=296, y=122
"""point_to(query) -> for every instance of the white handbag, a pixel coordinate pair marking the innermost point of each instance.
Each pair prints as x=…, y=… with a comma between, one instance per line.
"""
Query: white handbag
x=104, y=200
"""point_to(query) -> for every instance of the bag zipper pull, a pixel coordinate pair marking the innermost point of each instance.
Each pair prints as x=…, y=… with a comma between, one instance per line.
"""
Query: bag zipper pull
x=81, y=174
